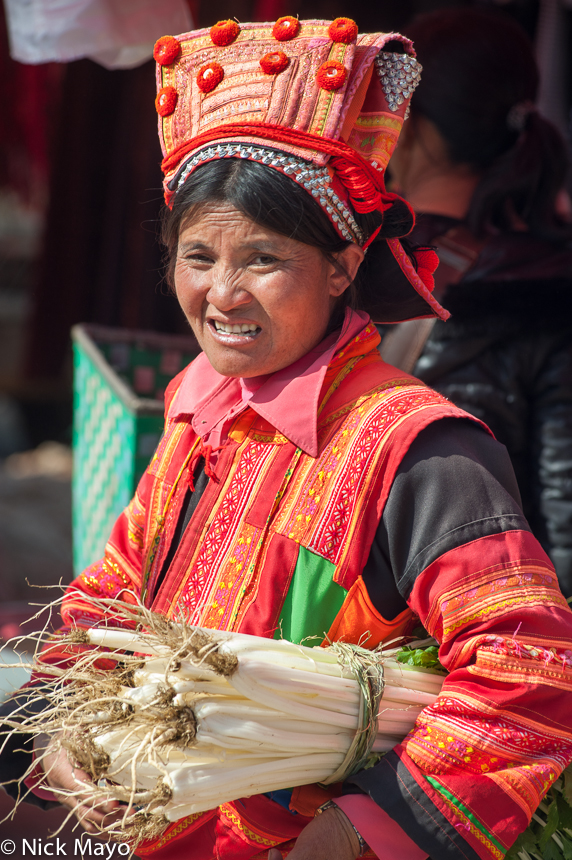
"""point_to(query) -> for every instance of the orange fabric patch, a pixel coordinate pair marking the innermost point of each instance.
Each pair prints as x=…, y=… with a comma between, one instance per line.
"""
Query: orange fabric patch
x=358, y=616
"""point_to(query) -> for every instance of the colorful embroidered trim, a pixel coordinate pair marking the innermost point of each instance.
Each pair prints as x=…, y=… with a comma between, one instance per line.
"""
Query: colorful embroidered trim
x=363, y=182
x=258, y=838
x=459, y=807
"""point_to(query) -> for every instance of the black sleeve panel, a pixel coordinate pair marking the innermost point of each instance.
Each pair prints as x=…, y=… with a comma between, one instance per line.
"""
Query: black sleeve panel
x=16, y=750
x=454, y=485
x=392, y=787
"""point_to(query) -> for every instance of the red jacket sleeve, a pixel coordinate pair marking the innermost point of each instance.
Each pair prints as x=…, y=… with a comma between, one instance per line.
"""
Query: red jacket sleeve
x=466, y=780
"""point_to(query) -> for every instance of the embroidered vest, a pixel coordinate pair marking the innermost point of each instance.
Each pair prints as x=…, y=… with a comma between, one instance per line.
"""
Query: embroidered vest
x=279, y=539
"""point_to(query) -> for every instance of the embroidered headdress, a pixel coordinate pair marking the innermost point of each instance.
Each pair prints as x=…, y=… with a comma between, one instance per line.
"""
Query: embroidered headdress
x=312, y=99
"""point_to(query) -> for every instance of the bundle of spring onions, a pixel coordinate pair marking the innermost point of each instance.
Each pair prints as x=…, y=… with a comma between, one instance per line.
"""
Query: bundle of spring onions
x=188, y=718
x=181, y=719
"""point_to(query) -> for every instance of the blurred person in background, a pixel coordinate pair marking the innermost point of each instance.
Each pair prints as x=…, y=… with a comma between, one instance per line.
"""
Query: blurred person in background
x=486, y=172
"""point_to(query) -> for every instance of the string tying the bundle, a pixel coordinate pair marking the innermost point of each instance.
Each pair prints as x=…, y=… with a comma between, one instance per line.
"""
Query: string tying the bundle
x=367, y=667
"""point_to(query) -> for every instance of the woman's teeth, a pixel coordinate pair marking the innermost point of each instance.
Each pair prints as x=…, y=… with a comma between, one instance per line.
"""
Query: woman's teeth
x=245, y=328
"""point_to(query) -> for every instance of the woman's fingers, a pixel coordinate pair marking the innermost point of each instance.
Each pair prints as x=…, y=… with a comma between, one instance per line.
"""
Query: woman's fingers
x=274, y=854
x=73, y=786
x=94, y=815
x=93, y=819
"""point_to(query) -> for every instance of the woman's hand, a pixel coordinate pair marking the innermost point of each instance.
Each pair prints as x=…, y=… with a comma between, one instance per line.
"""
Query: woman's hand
x=330, y=836
x=62, y=776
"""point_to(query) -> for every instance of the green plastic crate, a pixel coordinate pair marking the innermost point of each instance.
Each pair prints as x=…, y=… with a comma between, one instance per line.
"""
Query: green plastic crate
x=120, y=378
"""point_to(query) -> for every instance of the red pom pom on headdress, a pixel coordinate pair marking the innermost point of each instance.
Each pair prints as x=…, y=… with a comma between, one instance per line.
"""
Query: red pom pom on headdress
x=166, y=50
x=224, y=33
x=166, y=101
x=343, y=30
x=331, y=75
x=286, y=28
x=274, y=63
x=209, y=77
x=427, y=262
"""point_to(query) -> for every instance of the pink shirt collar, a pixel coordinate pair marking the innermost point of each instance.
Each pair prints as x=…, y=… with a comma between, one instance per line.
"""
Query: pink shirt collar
x=288, y=399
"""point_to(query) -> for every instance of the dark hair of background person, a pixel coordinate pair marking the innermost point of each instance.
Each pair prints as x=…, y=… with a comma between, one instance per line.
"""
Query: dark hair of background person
x=276, y=202
x=477, y=66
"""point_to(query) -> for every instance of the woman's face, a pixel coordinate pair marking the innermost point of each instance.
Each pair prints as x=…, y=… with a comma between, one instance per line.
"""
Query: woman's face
x=256, y=300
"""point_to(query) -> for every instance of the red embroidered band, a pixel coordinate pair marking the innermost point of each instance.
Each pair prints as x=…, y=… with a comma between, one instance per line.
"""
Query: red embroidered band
x=363, y=182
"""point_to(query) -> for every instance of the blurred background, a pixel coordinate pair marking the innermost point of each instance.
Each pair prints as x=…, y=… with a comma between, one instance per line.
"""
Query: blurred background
x=80, y=196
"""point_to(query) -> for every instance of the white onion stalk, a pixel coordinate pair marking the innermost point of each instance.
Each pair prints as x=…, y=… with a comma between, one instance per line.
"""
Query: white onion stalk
x=191, y=718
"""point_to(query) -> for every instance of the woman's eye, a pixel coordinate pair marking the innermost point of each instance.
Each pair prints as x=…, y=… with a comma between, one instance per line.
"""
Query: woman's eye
x=198, y=258
x=264, y=260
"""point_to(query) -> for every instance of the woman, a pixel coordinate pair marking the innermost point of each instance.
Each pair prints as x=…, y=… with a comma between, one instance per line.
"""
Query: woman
x=303, y=488
x=487, y=172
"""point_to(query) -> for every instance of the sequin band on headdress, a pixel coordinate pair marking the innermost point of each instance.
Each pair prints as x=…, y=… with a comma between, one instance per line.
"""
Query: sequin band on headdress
x=316, y=180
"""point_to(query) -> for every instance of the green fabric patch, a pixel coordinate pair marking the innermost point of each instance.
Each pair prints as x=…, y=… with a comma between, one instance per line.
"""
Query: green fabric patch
x=457, y=803
x=313, y=599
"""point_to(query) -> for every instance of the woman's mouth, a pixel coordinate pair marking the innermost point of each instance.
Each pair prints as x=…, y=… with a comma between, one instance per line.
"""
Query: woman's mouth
x=233, y=330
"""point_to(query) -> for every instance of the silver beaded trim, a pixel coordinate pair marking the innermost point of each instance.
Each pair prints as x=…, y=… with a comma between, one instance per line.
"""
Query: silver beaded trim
x=399, y=75
x=316, y=180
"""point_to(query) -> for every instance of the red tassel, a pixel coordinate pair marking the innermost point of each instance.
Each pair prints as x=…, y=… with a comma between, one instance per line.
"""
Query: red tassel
x=204, y=451
x=427, y=262
x=207, y=451
x=364, y=195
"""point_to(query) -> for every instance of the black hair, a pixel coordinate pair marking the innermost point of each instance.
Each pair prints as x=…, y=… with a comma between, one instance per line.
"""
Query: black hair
x=275, y=201
x=478, y=65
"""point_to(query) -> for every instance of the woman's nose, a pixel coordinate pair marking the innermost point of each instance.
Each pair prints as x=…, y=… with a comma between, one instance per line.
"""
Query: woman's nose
x=228, y=290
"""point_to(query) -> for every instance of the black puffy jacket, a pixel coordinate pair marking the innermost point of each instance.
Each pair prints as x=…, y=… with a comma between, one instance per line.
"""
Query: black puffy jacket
x=506, y=357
